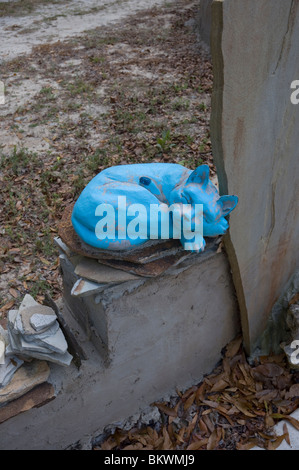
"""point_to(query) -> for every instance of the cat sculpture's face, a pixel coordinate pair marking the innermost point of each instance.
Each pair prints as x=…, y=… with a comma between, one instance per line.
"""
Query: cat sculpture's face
x=198, y=189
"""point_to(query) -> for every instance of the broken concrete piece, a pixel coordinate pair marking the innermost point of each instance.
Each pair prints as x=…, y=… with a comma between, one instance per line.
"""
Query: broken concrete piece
x=25, y=379
x=7, y=369
x=83, y=288
x=94, y=271
x=39, y=321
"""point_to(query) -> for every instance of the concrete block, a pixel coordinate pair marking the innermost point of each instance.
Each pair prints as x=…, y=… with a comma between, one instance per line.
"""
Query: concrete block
x=254, y=130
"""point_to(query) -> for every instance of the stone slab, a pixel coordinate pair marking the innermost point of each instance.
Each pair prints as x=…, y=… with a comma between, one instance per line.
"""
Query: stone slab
x=37, y=397
x=98, y=272
x=40, y=322
x=254, y=130
x=149, y=260
x=28, y=376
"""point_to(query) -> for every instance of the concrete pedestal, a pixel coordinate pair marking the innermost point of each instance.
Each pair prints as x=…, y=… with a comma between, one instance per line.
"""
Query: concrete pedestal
x=143, y=339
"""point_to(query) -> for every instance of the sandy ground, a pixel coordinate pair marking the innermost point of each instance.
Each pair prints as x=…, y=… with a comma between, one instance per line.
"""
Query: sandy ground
x=61, y=21
x=89, y=84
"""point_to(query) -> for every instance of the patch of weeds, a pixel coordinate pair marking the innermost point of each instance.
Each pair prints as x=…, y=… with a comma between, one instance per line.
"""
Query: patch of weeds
x=178, y=88
x=204, y=144
x=181, y=105
x=97, y=159
x=19, y=162
x=40, y=287
x=96, y=59
x=44, y=244
x=49, y=19
x=78, y=183
x=47, y=93
x=164, y=143
x=80, y=87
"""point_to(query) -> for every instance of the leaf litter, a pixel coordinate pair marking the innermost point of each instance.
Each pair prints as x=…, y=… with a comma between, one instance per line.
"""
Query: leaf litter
x=234, y=408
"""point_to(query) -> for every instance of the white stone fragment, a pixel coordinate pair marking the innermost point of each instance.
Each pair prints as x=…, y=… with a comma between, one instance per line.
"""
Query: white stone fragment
x=62, y=246
x=83, y=288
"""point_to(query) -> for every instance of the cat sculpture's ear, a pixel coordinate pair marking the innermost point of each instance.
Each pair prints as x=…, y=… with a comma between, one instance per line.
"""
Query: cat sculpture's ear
x=200, y=176
x=152, y=187
x=228, y=203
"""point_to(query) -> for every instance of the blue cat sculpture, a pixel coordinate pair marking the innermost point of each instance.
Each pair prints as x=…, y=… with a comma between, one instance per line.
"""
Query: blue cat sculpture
x=161, y=184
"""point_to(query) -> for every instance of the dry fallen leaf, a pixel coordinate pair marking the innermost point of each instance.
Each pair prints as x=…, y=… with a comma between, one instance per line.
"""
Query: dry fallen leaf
x=233, y=347
x=166, y=409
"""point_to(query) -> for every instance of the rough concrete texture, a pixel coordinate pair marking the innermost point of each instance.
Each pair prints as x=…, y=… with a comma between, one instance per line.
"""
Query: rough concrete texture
x=255, y=145
x=158, y=336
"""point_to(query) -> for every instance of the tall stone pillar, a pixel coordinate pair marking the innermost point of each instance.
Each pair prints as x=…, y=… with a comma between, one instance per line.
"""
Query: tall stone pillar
x=255, y=139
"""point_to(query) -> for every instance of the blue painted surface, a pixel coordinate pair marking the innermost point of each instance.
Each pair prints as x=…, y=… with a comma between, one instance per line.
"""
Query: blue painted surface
x=147, y=184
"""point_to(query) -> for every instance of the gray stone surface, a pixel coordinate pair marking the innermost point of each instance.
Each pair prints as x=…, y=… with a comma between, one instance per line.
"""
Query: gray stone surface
x=100, y=273
x=254, y=131
x=40, y=322
x=24, y=319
